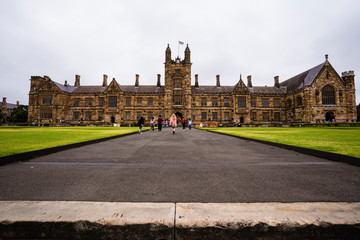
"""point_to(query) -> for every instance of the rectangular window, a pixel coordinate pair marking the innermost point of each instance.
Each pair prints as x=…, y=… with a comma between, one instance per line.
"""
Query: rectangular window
x=76, y=102
x=276, y=102
x=226, y=102
x=139, y=102
x=277, y=116
x=112, y=101
x=88, y=115
x=128, y=101
x=47, y=100
x=88, y=102
x=150, y=116
x=177, y=99
x=253, y=101
x=150, y=102
x=138, y=115
x=45, y=114
x=128, y=115
x=226, y=116
x=214, y=116
x=203, y=102
x=242, y=102
x=101, y=101
x=193, y=99
x=266, y=116
x=214, y=102
x=265, y=102
x=177, y=83
x=100, y=116
x=253, y=116
x=203, y=116
x=76, y=115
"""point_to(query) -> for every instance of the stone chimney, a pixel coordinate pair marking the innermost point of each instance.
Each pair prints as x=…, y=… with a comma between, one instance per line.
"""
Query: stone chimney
x=158, y=80
x=249, y=84
x=276, y=81
x=77, y=81
x=65, y=84
x=105, y=80
x=218, y=80
x=196, y=80
x=136, y=80
x=4, y=101
x=17, y=103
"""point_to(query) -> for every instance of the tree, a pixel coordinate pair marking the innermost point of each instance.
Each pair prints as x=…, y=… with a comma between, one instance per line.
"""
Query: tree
x=19, y=114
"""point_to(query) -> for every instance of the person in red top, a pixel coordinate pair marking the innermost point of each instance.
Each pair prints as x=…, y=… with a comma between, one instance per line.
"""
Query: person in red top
x=160, y=120
x=183, y=121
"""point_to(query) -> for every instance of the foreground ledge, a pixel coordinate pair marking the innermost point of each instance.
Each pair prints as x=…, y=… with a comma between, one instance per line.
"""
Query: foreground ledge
x=165, y=221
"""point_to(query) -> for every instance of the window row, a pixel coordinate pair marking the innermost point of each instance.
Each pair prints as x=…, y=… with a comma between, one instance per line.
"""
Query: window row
x=266, y=116
x=113, y=100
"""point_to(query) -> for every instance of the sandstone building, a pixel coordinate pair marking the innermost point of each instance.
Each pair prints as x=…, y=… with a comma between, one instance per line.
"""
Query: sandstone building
x=319, y=94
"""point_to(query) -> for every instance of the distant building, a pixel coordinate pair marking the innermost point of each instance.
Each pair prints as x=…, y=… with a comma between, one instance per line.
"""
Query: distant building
x=319, y=94
x=7, y=108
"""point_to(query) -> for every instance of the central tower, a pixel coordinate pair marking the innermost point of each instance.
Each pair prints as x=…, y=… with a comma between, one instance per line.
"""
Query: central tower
x=177, y=97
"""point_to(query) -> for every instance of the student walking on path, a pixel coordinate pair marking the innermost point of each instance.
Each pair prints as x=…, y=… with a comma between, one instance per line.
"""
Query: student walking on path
x=183, y=122
x=173, y=122
x=189, y=123
x=141, y=124
x=152, y=123
x=160, y=121
x=166, y=123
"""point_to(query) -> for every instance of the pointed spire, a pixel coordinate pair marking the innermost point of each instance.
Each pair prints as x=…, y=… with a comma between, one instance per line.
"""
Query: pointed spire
x=168, y=54
x=187, y=54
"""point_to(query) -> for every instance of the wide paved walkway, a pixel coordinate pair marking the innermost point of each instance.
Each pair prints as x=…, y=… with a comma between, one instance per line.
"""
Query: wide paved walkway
x=190, y=166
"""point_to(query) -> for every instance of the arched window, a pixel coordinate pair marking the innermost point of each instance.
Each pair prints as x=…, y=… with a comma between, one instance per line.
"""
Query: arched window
x=299, y=101
x=288, y=103
x=328, y=95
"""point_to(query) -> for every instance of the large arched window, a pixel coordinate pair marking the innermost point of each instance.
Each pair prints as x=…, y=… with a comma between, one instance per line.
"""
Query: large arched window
x=328, y=95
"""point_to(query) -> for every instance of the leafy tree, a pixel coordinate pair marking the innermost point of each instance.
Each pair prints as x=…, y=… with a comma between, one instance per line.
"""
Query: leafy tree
x=19, y=114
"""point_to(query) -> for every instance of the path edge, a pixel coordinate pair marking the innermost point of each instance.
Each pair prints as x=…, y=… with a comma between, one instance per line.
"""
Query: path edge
x=336, y=157
x=46, y=151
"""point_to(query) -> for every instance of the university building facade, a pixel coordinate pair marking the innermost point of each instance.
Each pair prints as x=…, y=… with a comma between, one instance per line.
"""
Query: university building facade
x=319, y=94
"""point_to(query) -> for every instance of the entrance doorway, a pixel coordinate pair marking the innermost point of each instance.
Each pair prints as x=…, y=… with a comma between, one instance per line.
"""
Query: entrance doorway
x=112, y=119
x=241, y=119
x=329, y=116
x=178, y=116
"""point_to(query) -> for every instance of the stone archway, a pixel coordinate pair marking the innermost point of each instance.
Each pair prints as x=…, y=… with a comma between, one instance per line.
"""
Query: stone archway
x=241, y=119
x=329, y=116
x=178, y=116
x=112, y=119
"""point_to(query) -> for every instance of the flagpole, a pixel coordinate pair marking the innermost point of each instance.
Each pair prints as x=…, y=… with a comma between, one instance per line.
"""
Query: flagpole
x=178, y=49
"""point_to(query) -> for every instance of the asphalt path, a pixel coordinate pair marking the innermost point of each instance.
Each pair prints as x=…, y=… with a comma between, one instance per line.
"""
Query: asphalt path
x=190, y=166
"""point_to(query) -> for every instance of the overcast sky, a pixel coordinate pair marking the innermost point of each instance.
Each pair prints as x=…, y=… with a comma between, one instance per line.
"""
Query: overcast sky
x=261, y=38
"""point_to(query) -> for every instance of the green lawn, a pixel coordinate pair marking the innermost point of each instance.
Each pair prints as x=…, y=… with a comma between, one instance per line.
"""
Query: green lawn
x=330, y=139
x=24, y=139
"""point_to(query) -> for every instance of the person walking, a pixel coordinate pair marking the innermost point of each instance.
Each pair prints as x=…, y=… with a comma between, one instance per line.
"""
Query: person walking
x=152, y=123
x=160, y=121
x=183, y=122
x=165, y=123
x=141, y=124
x=173, y=122
x=189, y=123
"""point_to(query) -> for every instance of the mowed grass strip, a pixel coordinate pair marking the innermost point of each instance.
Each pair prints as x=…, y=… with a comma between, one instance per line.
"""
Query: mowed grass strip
x=24, y=139
x=340, y=140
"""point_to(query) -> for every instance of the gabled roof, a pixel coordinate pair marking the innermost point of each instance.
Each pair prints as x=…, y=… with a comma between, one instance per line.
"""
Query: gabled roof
x=142, y=89
x=211, y=89
x=265, y=90
x=9, y=105
x=299, y=80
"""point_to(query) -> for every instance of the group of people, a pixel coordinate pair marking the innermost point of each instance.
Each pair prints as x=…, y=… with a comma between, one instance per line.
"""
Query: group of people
x=160, y=122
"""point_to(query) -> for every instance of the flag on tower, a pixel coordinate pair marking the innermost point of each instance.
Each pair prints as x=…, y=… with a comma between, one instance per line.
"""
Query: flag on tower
x=180, y=42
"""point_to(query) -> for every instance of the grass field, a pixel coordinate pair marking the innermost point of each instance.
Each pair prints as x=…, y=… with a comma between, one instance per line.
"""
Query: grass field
x=24, y=139
x=334, y=139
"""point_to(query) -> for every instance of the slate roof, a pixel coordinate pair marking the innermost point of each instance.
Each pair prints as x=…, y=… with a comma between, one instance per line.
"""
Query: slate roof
x=142, y=89
x=211, y=89
x=9, y=105
x=89, y=89
x=67, y=88
x=265, y=90
x=306, y=77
